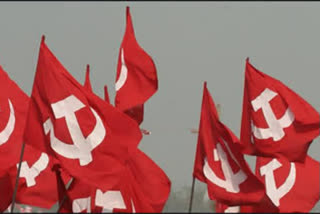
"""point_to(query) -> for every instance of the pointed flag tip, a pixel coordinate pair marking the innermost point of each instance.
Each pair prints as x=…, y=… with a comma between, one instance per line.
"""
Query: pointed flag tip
x=247, y=59
x=43, y=38
x=88, y=66
x=127, y=10
x=205, y=84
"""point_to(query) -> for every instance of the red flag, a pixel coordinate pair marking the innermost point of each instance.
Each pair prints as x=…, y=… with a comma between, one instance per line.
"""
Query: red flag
x=6, y=191
x=37, y=183
x=65, y=204
x=265, y=206
x=136, y=113
x=219, y=162
x=151, y=186
x=106, y=94
x=77, y=197
x=136, y=79
x=118, y=199
x=223, y=208
x=87, y=85
x=91, y=139
x=275, y=120
x=291, y=186
x=87, y=82
x=13, y=110
x=144, y=188
x=84, y=198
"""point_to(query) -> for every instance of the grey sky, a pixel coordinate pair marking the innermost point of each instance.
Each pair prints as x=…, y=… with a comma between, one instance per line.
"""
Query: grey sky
x=190, y=42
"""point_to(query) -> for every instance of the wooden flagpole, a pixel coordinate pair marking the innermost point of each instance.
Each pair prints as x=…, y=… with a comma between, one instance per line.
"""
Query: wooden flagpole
x=17, y=178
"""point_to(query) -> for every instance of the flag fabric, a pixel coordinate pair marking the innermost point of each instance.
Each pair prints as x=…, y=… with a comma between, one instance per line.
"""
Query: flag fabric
x=136, y=82
x=144, y=188
x=275, y=120
x=223, y=208
x=106, y=94
x=220, y=164
x=6, y=191
x=87, y=82
x=84, y=198
x=91, y=139
x=265, y=206
x=136, y=113
x=37, y=183
x=151, y=186
x=13, y=111
x=65, y=203
x=291, y=186
x=136, y=79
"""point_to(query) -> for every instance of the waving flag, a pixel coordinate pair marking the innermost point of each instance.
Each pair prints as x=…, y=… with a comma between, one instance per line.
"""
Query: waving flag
x=84, y=198
x=13, y=112
x=291, y=186
x=275, y=120
x=35, y=176
x=219, y=162
x=136, y=79
x=150, y=184
x=144, y=188
x=91, y=139
x=37, y=183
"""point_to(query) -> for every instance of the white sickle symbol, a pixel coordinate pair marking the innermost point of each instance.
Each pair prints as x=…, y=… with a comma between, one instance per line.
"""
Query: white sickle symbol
x=232, y=180
x=82, y=146
x=274, y=193
x=7, y=131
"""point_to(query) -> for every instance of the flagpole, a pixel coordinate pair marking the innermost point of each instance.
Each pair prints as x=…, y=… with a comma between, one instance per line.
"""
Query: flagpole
x=195, y=131
x=191, y=196
x=17, y=178
x=65, y=196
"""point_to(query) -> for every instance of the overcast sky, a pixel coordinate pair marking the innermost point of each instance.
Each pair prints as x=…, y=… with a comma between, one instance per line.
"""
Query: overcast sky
x=190, y=42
